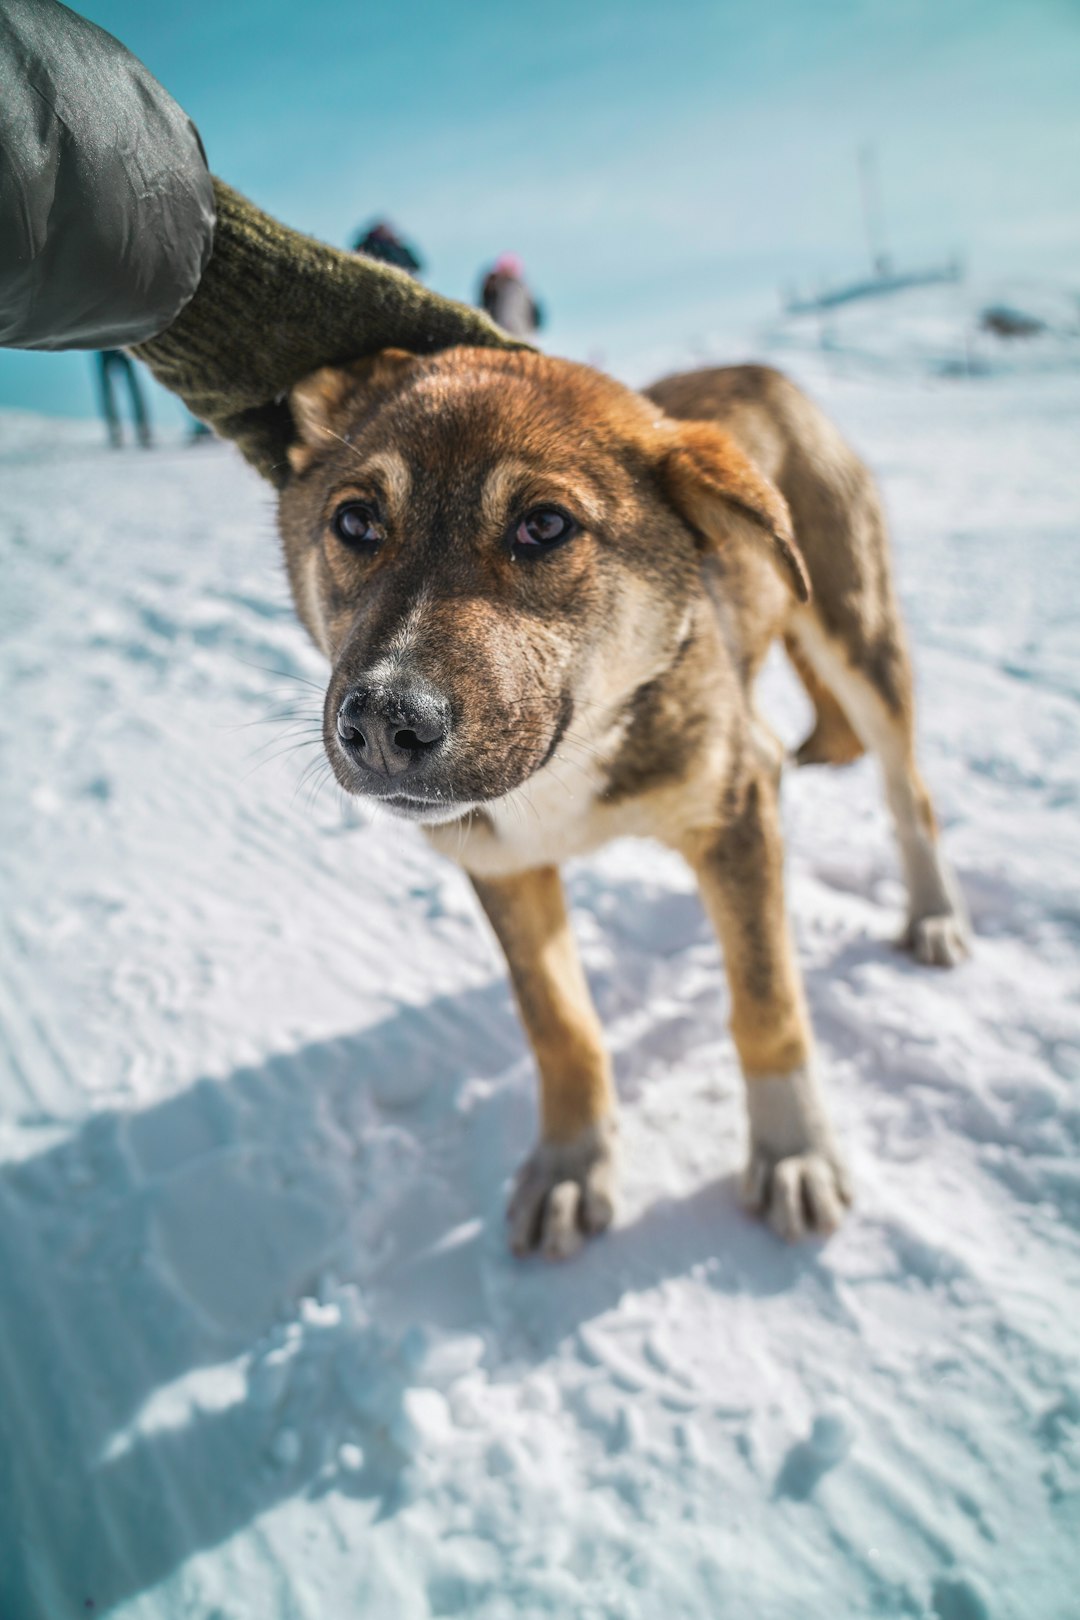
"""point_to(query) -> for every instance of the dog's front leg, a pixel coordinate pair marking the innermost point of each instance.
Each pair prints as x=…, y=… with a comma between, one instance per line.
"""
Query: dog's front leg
x=565, y=1189
x=795, y=1177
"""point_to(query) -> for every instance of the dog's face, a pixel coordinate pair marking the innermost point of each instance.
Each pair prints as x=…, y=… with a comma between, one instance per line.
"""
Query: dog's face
x=485, y=544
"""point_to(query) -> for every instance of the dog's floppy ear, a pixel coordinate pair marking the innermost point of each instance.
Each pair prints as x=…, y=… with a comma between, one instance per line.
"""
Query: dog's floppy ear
x=721, y=494
x=317, y=399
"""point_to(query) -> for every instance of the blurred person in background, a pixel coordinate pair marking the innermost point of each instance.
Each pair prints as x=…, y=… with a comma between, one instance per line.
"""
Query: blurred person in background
x=380, y=241
x=110, y=364
x=505, y=295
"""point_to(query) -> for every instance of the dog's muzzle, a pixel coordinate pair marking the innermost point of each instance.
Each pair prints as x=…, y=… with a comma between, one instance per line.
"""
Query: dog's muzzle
x=390, y=732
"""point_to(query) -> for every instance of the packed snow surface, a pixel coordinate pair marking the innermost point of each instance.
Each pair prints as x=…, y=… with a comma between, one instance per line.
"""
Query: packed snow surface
x=263, y=1352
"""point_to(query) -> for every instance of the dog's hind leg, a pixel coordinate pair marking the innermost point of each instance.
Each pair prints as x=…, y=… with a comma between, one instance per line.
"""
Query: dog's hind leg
x=875, y=690
x=565, y=1190
x=832, y=740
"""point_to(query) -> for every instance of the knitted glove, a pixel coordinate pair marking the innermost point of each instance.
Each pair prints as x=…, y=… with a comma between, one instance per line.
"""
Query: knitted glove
x=273, y=306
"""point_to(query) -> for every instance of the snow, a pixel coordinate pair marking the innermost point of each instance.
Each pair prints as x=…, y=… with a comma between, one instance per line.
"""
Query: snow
x=942, y=331
x=263, y=1350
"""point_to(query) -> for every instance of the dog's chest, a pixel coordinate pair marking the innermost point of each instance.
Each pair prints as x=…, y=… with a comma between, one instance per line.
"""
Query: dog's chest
x=557, y=813
x=567, y=810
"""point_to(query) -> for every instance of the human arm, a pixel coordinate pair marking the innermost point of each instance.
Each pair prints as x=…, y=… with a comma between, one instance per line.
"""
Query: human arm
x=106, y=203
x=113, y=233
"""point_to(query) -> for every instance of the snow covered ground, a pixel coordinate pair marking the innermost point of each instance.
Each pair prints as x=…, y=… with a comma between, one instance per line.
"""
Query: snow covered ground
x=942, y=331
x=263, y=1354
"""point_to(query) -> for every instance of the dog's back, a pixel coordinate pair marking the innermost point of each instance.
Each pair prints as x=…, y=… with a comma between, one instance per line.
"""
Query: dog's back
x=848, y=644
x=835, y=507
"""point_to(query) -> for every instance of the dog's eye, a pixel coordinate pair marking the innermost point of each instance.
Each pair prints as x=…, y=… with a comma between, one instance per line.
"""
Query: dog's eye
x=541, y=529
x=357, y=526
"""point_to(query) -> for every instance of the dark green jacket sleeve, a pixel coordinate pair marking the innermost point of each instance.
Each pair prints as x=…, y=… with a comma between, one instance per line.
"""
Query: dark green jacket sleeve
x=106, y=203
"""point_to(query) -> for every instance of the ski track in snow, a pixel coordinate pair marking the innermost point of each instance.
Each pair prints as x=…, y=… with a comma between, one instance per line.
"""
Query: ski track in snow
x=263, y=1352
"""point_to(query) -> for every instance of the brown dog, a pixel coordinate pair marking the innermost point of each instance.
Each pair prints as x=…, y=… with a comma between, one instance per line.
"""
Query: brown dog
x=545, y=600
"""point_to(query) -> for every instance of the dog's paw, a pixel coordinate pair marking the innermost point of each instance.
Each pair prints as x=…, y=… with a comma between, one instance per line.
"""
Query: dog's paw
x=563, y=1194
x=801, y=1196
x=796, y=1178
x=938, y=941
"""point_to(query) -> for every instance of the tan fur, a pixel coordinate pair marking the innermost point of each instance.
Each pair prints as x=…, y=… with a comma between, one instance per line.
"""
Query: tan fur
x=508, y=476
x=712, y=482
x=528, y=914
x=740, y=869
x=606, y=688
x=832, y=740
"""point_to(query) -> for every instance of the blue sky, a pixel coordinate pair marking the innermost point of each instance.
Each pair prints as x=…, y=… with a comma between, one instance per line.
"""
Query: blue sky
x=662, y=168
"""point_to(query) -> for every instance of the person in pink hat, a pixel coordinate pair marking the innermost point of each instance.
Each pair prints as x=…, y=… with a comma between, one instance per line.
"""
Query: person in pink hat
x=505, y=294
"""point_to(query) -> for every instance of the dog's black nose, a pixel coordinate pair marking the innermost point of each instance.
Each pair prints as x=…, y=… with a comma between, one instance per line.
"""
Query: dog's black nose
x=392, y=729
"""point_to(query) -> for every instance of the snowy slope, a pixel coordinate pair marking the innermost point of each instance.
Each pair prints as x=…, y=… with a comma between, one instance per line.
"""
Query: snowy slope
x=941, y=331
x=262, y=1351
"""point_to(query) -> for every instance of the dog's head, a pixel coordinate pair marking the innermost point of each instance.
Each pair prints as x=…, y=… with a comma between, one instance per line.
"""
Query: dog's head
x=486, y=543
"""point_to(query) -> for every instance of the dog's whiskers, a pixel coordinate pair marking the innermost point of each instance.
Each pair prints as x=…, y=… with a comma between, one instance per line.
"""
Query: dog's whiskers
x=281, y=674
x=290, y=748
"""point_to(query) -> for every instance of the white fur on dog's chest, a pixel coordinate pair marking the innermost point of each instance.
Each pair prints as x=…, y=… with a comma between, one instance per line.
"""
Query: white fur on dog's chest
x=556, y=814
x=556, y=809
x=562, y=810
